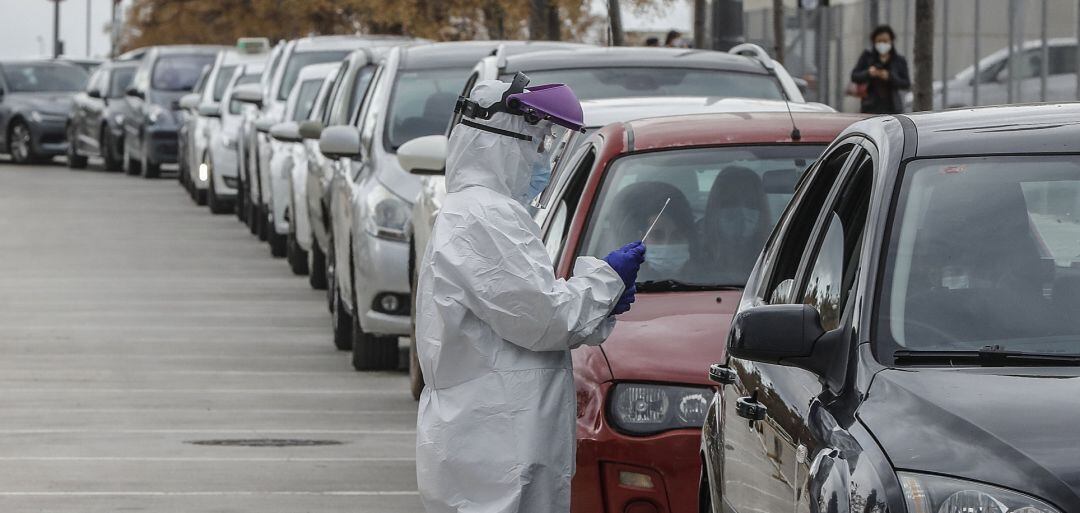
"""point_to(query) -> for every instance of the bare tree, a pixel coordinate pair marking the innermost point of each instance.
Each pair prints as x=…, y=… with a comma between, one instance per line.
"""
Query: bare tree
x=778, y=30
x=700, y=23
x=923, y=83
x=554, y=23
x=538, y=19
x=615, y=19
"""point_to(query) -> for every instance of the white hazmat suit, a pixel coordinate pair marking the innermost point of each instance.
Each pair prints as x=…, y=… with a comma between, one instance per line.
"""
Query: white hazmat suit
x=494, y=326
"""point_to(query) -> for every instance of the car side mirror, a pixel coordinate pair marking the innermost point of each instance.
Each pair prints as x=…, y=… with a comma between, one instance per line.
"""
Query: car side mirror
x=286, y=132
x=789, y=335
x=190, y=101
x=263, y=125
x=210, y=110
x=424, y=155
x=340, y=141
x=94, y=93
x=250, y=95
x=132, y=91
x=310, y=129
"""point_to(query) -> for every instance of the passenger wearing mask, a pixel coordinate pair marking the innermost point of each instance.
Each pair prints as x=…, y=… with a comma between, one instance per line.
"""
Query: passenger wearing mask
x=883, y=73
x=672, y=238
x=737, y=222
x=495, y=428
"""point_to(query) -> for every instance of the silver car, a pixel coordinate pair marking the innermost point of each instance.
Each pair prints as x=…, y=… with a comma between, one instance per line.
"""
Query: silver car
x=223, y=151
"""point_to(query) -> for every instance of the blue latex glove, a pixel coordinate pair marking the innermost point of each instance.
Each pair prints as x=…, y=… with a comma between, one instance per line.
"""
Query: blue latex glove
x=626, y=261
x=627, y=298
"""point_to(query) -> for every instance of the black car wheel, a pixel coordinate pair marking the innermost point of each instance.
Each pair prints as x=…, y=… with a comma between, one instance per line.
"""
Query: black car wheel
x=297, y=257
x=341, y=321
x=316, y=266
x=21, y=144
x=113, y=162
x=74, y=160
x=370, y=352
x=416, y=377
x=150, y=169
x=217, y=205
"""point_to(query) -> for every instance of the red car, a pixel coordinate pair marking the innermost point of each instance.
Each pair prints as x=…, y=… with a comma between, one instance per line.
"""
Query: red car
x=643, y=394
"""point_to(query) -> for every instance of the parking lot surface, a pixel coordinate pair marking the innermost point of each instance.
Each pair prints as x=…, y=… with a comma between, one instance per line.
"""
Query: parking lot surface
x=154, y=357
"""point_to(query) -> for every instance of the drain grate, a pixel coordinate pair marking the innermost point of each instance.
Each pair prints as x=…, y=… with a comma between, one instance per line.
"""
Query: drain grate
x=264, y=442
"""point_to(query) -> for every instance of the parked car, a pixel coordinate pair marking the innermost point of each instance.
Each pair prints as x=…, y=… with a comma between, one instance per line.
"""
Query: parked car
x=994, y=73
x=223, y=156
x=603, y=66
x=35, y=99
x=412, y=95
x=290, y=159
x=908, y=340
x=293, y=56
x=96, y=122
x=350, y=86
x=188, y=110
x=88, y=64
x=150, y=130
x=247, y=144
x=204, y=119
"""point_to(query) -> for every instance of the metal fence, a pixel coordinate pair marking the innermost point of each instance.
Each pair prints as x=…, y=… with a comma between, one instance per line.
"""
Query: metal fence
x=974, y=62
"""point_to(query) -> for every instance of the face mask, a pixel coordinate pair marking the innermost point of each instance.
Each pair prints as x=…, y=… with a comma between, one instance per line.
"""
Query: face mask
x=738, y=222
x=667, y=258
x=539, y=178
x=882, y=48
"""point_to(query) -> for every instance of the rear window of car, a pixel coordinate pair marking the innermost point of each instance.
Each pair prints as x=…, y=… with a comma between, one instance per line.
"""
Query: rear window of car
x=300, y=59
x=235, y=106
x=305, y=100
x=179, y=72
x=44, y=77
x=624, y=82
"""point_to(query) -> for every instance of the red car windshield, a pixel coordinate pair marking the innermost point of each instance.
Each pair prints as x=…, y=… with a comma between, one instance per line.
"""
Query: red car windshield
x=724, y=202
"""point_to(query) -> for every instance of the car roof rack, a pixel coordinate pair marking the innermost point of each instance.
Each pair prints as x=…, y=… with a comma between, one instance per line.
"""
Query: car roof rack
x=754, y=51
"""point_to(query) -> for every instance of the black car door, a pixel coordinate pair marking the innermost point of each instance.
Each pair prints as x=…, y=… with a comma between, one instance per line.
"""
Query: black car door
x=767, y=459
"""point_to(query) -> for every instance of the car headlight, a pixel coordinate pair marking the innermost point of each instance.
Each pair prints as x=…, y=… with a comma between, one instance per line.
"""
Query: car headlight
x=935, y=494
x=38, y=116
x=643, y=408
x=387, y=214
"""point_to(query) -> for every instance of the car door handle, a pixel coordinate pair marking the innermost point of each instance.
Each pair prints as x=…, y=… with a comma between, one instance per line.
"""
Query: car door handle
x=721, y=375
x=748, y=408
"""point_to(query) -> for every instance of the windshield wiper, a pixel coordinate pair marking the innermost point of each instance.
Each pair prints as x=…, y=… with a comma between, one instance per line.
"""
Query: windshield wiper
x=988, y=356
x=678, y=286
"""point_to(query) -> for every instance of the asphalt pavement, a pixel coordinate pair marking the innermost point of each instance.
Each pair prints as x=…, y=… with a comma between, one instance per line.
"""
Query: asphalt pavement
x=154, y=357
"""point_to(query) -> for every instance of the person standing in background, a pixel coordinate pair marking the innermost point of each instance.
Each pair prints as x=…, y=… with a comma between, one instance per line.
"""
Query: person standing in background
x=673, y=39
x=881, y=74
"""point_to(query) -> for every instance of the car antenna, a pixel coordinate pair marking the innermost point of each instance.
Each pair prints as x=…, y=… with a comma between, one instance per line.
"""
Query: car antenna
x=795, y=134
x=767, y=62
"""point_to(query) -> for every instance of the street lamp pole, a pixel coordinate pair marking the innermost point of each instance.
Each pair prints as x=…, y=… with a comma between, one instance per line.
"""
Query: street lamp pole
x=58, y=47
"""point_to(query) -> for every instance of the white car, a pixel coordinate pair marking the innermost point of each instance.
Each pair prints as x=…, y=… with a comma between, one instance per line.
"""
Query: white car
x=294, y=55
x=371, y=197
x=614, y=102
x=350, y=85
x=289, y=156
x=994, y=71
x=203, y=120
x=221, y=167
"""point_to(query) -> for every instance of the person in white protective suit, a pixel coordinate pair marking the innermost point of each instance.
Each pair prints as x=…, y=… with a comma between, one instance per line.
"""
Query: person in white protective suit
x=494, y=326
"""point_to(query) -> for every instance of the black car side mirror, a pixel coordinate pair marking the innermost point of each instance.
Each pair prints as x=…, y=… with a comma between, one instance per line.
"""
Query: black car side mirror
x=789, y=335
x=131, y=91
x=94, y=93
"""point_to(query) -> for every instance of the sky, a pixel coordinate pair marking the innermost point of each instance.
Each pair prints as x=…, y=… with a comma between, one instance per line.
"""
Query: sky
x=26, y=25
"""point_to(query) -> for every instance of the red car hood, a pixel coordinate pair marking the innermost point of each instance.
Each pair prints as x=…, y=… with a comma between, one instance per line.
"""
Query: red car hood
x=671, y=337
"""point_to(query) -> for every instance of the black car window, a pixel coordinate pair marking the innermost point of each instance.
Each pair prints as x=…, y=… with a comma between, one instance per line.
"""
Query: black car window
x=119, y=80
x=422, y=102
x=360, y=86
x=621, y=82
x=179, y=72
x=305, y=99
x=44, y=77
x=1062, y=60
x=224, y=75
x=782, y=260
x=832, y=271
x=297, y=62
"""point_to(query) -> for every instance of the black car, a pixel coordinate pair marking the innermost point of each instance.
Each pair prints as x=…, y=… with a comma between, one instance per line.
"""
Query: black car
x=96, y=124
x=150, y=129
x=35, y=98
x=909, y=338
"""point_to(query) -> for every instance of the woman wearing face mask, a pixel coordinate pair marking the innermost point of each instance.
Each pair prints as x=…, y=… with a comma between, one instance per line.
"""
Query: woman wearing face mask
x=884, y=72
x=671, y=241
x=736, y=224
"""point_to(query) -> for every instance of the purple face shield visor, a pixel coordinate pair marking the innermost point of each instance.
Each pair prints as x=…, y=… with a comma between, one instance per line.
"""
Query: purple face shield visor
x=549, y=102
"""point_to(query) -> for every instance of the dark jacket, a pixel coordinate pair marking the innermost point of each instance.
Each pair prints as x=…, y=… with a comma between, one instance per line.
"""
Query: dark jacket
x=882, y=96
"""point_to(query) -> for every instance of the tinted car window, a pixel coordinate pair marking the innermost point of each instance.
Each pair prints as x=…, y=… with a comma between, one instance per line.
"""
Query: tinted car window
x=599, y=82
x=724, y=202
x=422, y=103
x=306, y=99
x=44, y=77
x=120, y=81
x=360, y=85
x=984, y=251
x=179, y=72
x=301, y=59
x=222, y=81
